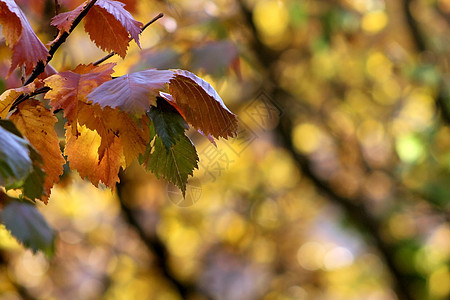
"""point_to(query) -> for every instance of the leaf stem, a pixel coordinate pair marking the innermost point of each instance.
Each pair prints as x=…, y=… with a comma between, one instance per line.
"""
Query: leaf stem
x=106, y=57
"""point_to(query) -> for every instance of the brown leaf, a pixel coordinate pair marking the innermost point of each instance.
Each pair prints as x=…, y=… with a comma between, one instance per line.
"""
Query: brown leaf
x=201, y=106
x=37, y=124
x=27, y=49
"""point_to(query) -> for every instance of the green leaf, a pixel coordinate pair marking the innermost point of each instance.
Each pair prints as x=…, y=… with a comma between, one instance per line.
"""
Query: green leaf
x=174, y=165
x=34, y=184
x=169, y=124
x=29, y=227
x=15, y=161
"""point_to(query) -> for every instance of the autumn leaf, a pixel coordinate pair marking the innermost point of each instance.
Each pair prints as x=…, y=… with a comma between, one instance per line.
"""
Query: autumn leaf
x=111, y=123
x=82, y=154
x=71, y=87
x=169, y=124
x=133, y=93
x=201, y=106
x=37, y=124
x=110, y=26
x=174, y=165
x=27, y=49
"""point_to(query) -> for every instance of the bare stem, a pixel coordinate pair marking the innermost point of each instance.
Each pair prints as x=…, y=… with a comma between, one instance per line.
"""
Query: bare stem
x=106, y=57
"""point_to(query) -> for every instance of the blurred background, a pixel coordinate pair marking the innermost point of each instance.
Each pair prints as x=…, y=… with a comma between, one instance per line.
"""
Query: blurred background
x=337, y=186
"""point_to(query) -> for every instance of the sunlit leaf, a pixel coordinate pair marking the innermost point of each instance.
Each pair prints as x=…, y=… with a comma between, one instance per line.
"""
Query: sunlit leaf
x=36, y=123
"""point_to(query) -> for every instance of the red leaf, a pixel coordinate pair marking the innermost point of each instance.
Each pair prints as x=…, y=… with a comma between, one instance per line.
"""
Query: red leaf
x=27, y=49
x=110, y=26
x=132, y=93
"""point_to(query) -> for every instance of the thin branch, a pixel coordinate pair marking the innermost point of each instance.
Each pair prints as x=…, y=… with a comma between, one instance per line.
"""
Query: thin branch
x=57, y=7
x=153, y=244
x=40, y=67
x=106, y=57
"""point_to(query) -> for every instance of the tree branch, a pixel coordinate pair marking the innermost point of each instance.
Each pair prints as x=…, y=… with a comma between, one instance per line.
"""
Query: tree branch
x=357, y=213
x=352, y=207
x=153, y=244
x=106, y=57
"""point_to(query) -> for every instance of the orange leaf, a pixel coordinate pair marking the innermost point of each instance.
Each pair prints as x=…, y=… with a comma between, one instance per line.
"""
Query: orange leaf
x=110, y=123
x=110, y=26
x=201, y=106
x=71, y=87
x=27, y=49
x=37, y=124
x=82, y=154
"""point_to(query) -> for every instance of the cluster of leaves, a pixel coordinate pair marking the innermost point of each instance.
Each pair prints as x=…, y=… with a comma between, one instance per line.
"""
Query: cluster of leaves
x=109, y=121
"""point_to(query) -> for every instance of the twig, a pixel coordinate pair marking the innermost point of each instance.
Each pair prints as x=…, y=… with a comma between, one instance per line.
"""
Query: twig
x=40, y=67
x=57, y=7
x=106, y=57
x=24, y=97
